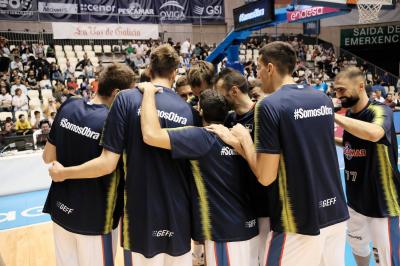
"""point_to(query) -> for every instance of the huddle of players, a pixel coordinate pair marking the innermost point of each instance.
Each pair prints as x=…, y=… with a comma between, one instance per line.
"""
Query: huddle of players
x=205, y=181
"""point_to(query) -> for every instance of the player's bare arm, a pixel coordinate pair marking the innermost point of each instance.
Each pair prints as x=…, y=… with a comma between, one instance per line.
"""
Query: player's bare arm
x=339, y=141
x=360, y=129
x=152, y=132
x=49, y=153
x=100, y=166
x=264, y=166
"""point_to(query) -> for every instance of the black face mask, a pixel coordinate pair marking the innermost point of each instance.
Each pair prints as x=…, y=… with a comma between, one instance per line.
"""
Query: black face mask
x=349, y=101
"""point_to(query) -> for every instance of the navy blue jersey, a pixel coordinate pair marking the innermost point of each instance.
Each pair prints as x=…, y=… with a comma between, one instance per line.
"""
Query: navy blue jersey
x=157, y=192
x=297, y=122
x=222, y=209
x=371, y=173
x=258, y=192
x=83, y=206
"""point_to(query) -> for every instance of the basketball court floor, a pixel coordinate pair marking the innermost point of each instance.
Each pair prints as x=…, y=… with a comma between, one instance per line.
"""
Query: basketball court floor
x=26, y=233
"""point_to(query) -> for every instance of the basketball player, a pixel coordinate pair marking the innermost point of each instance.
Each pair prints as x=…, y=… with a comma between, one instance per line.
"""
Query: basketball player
x=85, y=212
x=156, y=227
x=222, y=213
x=200, y=77
x=234, y=87
x=295, y=155
x=372, y=177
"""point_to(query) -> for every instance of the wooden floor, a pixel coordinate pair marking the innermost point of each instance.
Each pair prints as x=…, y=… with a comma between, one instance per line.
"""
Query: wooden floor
x=32, y=246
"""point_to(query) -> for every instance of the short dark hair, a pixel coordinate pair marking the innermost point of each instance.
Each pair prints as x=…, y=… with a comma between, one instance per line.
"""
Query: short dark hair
x=214, y=106
x=232, y=78
x=115, y=76
x=164, y=60
x=44, y=121
x=281, y=55
x=199, y=72
x=36, y=112
x=182, y=81
x=20, y=115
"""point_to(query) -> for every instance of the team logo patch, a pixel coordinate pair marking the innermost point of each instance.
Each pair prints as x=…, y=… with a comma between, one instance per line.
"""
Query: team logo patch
x=349, y=153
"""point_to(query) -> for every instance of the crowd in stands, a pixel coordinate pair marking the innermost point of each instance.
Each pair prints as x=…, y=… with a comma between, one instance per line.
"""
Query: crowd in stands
x=35, y=80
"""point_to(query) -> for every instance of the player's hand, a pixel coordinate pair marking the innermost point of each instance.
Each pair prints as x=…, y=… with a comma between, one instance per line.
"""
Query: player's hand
x=224, y=133
x=240, y=132
x=55, y=171
x=148, y=86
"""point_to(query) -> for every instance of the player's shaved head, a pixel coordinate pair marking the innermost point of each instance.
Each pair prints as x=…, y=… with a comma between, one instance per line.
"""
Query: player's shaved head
x=350, y=74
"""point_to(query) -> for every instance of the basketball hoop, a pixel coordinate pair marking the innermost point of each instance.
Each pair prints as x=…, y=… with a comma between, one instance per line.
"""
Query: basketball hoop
x=368, y=10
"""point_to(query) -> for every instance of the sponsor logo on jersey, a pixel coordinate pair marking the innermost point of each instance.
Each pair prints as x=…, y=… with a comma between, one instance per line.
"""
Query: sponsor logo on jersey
x=349, y=153
x=64, y=207
x=171, y=116
x=84, y=131
x=301, y=113
x=327, y=202
x=162, y=233
x=250, y=224
x=226, y=151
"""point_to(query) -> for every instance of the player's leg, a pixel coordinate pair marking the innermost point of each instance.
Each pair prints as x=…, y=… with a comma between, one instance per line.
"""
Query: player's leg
x=65, y=247
x=293, y=249
x=385, y=234
x=198, y=253
x=97, y=250
x=231, y=253
x=264, y=228
x=334, y=246
x=359, y=237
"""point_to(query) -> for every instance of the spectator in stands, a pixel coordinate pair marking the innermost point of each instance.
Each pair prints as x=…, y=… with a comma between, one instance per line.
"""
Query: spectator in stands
x=398, y=85
x=389, y=101
x=59, y=88
x=45, y=83
x=88, y=71
x=25, y=48
x=320, y=85
x=185, y=48
x=379, y=97
x=40, y=135
x=39, y=50
x=83, y=63
x=31, y=82
x=197, y=51
x=385, y=79
x=55, y=73
x=353, y=61
x=379, y=87
x=5, y=99
x=18, y=85
x=51, y=51
x=16, y=64
x=7, y=131
x=50, y=107
x=20, y=101
x=35, y=120
x=72, y=83
x=94, y=85
x=69, y=71
x=42, y=67
x=22, y=123
x=183, y=88
x=373, y=96
x=99, y=68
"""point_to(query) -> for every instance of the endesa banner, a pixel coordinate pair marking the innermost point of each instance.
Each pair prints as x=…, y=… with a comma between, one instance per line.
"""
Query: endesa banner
x=104, y=31
x=308, y=13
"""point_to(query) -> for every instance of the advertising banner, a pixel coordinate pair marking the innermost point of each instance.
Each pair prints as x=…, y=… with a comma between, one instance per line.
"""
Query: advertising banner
x=104, y=31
